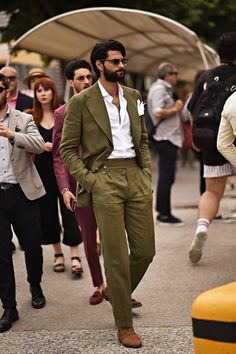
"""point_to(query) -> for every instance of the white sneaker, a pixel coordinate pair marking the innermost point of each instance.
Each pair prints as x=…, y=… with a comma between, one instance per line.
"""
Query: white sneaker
x=224, y=219
x=195, y=252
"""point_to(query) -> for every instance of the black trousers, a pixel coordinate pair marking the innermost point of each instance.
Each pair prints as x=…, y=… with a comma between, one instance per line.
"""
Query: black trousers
x=23, y=215
x=167, y=153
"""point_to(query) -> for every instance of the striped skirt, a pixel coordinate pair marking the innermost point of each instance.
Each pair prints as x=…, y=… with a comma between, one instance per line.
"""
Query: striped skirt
x=219, y=171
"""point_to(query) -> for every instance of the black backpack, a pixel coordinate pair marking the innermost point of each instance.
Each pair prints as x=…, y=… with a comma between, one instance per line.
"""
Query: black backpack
x=207, y=111
x=150, y=126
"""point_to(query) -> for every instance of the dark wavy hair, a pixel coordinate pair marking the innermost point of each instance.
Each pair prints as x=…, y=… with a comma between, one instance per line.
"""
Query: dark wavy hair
x=226, y=47
x=46, y=83
x=100, y=52
x=75, y=65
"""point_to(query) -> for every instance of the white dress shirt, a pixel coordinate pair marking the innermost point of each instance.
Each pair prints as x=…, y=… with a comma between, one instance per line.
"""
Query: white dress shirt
x=120, y=125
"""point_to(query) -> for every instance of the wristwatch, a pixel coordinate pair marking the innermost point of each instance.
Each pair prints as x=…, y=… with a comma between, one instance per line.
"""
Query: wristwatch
x=64, y=190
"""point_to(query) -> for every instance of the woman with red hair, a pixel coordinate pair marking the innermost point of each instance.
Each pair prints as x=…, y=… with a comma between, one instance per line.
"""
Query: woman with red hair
x=45, y=102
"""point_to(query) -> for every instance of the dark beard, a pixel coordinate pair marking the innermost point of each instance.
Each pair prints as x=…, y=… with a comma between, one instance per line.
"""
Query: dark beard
x=114, y=76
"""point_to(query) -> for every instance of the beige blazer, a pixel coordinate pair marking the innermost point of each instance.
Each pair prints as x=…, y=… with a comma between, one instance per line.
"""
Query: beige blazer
x=227, y=130
x=27, y=140
x=87, y=125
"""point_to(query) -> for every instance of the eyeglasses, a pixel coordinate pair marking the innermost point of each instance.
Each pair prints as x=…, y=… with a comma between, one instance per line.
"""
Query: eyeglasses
x=124, y=61
x=82, y=77
x=173, y=73
x=2, y=89
x=11, y=78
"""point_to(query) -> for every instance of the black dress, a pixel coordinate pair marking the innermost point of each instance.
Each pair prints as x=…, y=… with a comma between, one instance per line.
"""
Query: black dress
x=49, y=210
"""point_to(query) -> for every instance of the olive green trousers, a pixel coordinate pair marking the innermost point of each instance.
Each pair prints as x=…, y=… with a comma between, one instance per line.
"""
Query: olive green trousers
x=122, y=202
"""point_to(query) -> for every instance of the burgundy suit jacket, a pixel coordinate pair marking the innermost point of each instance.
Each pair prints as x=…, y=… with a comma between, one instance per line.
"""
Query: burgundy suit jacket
x=64, y=179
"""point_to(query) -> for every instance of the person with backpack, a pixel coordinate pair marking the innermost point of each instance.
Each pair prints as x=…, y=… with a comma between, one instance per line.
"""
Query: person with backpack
x=212, y=90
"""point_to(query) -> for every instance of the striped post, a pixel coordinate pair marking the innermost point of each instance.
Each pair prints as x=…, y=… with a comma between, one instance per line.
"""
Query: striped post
x=214, y=321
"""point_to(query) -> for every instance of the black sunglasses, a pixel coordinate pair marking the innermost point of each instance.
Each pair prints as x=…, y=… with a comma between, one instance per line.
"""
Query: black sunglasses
x=11, y=78
x=124, y=61
x=173, y=73
x=2, y=89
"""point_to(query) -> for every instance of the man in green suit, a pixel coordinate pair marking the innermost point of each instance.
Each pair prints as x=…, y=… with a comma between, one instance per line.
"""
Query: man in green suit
x=114, y=174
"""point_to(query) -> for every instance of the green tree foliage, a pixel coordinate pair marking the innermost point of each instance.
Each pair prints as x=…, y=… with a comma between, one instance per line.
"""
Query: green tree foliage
x=208, y=18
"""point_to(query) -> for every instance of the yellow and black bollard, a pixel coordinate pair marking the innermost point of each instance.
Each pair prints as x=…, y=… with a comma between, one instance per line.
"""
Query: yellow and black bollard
x=214, y=321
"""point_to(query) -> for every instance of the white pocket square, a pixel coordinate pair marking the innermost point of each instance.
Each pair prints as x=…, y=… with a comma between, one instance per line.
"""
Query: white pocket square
x=140, y=107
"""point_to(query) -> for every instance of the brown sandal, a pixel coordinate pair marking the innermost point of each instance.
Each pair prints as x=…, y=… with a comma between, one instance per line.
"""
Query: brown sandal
x=58, y=267
x=75, y=269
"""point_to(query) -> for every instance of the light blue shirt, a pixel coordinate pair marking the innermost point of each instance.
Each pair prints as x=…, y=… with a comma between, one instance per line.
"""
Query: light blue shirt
x=160, y=96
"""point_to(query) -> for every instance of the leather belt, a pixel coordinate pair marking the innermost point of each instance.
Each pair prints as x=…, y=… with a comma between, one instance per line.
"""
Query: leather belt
x=6, y=186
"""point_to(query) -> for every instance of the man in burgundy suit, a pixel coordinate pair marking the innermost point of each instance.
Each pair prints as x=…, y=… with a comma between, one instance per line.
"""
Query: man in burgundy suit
x=78, y=73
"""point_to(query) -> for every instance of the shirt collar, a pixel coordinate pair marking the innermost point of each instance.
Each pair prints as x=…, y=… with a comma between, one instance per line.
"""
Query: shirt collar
x=165, y=83
x=15, y=97
x=106, y=95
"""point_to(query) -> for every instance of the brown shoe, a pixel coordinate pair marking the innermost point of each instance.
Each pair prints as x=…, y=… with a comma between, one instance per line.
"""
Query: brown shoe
x=129, y=338
x=96, y=298
x=134, y=303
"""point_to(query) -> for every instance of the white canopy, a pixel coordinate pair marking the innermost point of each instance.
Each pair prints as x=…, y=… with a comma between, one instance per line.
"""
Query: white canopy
x=149, y=39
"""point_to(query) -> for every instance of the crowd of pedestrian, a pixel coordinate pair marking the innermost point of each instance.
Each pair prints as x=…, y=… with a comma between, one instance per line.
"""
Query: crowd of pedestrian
x=81, y=172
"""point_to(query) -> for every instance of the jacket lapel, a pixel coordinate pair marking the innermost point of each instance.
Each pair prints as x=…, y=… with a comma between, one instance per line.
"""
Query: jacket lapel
x=12, y=123
x=12, y=120
x=97, y=108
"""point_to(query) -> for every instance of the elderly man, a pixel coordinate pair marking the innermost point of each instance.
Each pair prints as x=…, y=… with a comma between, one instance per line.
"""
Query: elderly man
x=20, y=188
x=16, y=99
x=167, y=138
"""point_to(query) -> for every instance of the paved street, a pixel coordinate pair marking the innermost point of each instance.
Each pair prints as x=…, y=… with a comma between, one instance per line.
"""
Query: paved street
x=69, y=325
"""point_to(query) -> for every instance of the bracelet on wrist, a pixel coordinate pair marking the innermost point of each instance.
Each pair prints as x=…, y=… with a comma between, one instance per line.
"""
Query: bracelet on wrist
x=64, y=190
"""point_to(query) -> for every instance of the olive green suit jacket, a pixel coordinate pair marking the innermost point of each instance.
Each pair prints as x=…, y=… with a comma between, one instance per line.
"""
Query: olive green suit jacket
x=87, y=126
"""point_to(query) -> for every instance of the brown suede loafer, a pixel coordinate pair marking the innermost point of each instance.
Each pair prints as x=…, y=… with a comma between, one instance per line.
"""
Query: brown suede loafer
x=96, y=298
x=129, y=338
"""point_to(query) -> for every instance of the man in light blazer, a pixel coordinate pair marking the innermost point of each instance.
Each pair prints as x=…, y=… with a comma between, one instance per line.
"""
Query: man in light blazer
x=16, y=99
x=20, y=188
x=114, y=174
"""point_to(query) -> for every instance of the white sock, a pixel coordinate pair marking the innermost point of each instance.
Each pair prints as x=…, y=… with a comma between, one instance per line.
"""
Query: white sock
x=202, y=225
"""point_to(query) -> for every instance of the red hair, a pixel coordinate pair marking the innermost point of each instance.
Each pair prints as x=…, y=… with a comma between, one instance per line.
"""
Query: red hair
x=46, y=83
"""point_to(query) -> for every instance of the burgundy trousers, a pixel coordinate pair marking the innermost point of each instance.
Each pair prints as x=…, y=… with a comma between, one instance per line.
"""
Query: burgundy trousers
x=87, y=222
